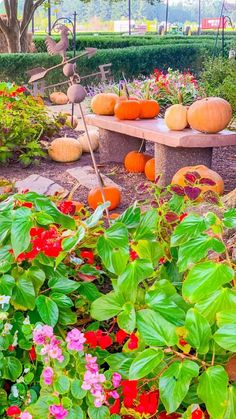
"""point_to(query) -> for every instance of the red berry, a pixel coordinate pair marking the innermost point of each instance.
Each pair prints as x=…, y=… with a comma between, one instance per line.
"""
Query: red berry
x=197, y=414
x=13, y=410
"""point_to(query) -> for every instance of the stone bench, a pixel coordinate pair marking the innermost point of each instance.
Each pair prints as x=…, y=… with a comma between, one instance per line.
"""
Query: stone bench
x=173, y=149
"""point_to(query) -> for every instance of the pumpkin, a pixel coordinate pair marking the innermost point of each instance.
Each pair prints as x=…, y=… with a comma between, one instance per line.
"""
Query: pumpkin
x=65, y=149
x=176, y=117
x=114, y=215
x=127, y=109
x=58, y=98
x=94, y=138
x=104, y=103
x=69, y=121
x=205, y=173
x=111, y=193
x=149, y=170
x=135, y=161
x=209, y=115
x=149, y=109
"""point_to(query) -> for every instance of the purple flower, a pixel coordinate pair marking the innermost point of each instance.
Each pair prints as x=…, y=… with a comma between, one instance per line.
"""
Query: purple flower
x=75, y=340
x=41, y=334
x=48, y=375
x=116, y=379
x=58, y=411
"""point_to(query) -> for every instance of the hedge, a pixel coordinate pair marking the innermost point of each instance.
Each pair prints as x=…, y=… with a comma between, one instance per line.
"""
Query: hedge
x=107, y=42
x=133, y=61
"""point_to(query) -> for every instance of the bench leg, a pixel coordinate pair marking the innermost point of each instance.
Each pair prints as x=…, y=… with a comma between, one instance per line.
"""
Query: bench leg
x=113, y=146
x=169, y=160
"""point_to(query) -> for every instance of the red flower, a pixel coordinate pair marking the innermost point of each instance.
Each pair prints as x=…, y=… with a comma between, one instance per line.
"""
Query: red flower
x=105, y=341
x=182, y=216
x=67, y=207
x=133, y=341
x=21, y=89
x=162, y=261
x=11, y=348
x=13, y=411
x=27, y=204
x=32, y=354
x=91, y=339
x=148, y=403
x=164, y=415
x=183, y=342
x=98, y=338
x=121, y=335
x=133, y=255
x=53, y=249
x=197, y=414
x=130, y=388
x=36, y=231
x=88, y=256
x=115, y=408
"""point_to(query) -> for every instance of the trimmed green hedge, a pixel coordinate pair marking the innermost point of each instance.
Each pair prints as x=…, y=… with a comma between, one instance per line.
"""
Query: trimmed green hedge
x=133, y=61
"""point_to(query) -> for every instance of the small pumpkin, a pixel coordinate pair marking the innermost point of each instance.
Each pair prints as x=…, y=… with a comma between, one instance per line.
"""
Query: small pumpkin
x=104, y=103
x=111, y=193
x=204, y=173
x=149, y=109
x=94, y=138
x=209, y=115
x=135, y=161
x=58, y=98
x=176, y=117
x=149, y=170
x=127, y=109
x=65, y=149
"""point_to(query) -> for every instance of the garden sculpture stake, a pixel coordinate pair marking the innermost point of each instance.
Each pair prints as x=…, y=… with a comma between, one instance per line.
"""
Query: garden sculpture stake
x=55, y=48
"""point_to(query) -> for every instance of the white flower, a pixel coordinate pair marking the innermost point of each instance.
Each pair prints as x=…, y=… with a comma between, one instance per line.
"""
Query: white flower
x=26, y=370
x=4, y=299
x=27, y=320
x=15, y=339
x=15, y=391
x=6, y=329
x=3, y=315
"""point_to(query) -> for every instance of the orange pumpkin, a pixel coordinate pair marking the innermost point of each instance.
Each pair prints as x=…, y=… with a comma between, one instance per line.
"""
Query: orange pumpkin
x=127, y=109
x=150, y=170
x=209, y=115
x=135, y=161
x=205, y=173
x=176, y=117
x=149, y=109
x=104, y=103
x=112, y=194
x=114, y=216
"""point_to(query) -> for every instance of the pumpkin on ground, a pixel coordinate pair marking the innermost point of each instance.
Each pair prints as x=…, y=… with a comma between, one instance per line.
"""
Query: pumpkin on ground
x=206, y=179
x=65, y=149
x=149, y=109
x=176, y=117
x=135, y=161
x=94, y=138
x=111, y=193
x=58, y=98
x=127, y=109
x=150, y=170
x=209, y=115
x=104, y=103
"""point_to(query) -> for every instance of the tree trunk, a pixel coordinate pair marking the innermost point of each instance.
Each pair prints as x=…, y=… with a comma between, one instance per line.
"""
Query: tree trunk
x=24, y=42
x=13, y=39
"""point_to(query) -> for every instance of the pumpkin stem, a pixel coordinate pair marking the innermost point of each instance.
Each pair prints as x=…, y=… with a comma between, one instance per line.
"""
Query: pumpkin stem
x=126, y=86
x=147, y=95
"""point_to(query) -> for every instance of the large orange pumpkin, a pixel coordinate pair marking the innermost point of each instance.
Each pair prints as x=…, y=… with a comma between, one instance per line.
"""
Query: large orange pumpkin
x=111, y=193
x=104, y=103
x=205, y=173
x=127, y=109
x=150, y=170
x=176, y=117
x=149, y=109
x=135, y=161
x=209, y=115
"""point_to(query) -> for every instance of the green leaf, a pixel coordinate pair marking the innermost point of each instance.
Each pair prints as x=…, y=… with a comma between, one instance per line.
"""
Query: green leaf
x=11, y=368
x=190, y=227
x=5, y=226
x=135, y=272
x=130, y=218
x=229, y=219
x=230, y=412
x=61, y=300
x=145, y=363
x=126, y=320
x=89, y=291
x=220, y=300
x=196, y=249
x=147, y=226
x=44, y=204
x=225, y=337
x=48, y=310
x=37, y=276
x=43, y=218
x=204, y=279
x=67, y=316
x=76, y=389
x=123, y=360
x=174, y=383
x=97, y=215
x=98, y=412
x=157, y=300
x=6, y=259
x=225, y=317
x=7, y=283
x=20, y=231
x=212, y=390
x=155, y=330
x=151, y=251
x=70, y=242
x=198, y=331
x=76, y=413
x=62, y=384
x=23, y=295
x=107, y=306
x=63, y=284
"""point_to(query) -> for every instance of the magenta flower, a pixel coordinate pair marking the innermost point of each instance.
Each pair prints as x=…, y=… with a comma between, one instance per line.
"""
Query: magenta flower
x=75, y=340
x=41, y=334
x=93, y=380
x=25, y=415
x=58, y=411
x=116, y=379
x=48, y=375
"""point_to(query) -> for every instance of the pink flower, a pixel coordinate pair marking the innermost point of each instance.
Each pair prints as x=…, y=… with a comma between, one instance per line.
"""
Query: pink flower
x=26, y=415
x=75, y=340
x=116, y=379
x=41, y=334
x=48, y=375
x=114, y=394
x=58, y=411
x=44, y=336
x=93, y=380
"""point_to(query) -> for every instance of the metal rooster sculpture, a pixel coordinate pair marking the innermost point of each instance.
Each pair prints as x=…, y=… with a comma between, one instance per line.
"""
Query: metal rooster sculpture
x=59, y=48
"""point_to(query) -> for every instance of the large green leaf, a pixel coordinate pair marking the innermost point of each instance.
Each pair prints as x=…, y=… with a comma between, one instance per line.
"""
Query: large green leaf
x=135, y=272
x=123, y=360
x=42, y=203
x=76, y=389
x=62, y=300
x=157, y=300
x=37, y=276
x=98, y=412
x=155, y=330
x=97, y=215
x=63, y=284
x=48, y=310
x=11, y=368
x=174, y=383
x=198, y=331
x=5, y=226
x=61, y=384
x=204, y=279
x=196, y=249
x=70, y=242
x=147, y=226
x=229, y=219
x=220, y=300
x=190, y=227
x=67, y=316
x=131, y=217
x=212, y=390
x=149, y=250
x=230, y=412
x=6, y=259
x=126, y=320
x=225, y=337
x=23, y=295
x=20, y=231
x=145, y=363
x=107, y=306
x=7, y=283
x=225, y=317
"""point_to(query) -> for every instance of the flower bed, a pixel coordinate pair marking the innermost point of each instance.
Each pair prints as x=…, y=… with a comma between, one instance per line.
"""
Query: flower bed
x=132, y=320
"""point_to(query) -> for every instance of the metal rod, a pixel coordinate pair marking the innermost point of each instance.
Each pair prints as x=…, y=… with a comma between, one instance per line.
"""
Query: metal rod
x=199, y=17
x=49, y=18
x=223, y=35
x=33, y=24
x=129, y=14
x=167, y=15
